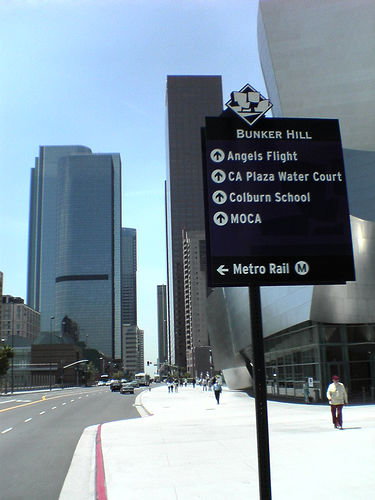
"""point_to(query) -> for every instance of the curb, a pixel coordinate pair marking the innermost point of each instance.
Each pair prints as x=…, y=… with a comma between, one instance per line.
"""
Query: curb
x=90, y=481
x=82, y=470
x=100, y=486
x=141, y=409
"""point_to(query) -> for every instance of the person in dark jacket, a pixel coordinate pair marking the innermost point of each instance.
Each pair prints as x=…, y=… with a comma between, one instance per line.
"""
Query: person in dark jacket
x=217, y=391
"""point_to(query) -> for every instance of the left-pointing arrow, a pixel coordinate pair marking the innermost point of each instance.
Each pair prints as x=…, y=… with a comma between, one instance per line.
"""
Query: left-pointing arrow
x=222, y=270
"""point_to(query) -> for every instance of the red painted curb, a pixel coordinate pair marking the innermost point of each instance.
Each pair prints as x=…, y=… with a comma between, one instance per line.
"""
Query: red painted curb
x=101, y=493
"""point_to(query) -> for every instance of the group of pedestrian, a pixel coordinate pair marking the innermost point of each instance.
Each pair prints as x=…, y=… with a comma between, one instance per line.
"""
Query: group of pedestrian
x=206, y=383
x=336, y=394
x=173, y=385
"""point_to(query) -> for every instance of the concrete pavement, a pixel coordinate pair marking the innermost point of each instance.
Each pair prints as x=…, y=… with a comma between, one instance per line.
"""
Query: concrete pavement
x=188, y=448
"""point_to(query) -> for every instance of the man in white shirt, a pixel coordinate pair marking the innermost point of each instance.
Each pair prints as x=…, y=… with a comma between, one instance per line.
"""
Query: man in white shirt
x=337, y=397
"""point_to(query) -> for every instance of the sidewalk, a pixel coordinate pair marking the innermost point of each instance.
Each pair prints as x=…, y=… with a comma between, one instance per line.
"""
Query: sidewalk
x=191, y=448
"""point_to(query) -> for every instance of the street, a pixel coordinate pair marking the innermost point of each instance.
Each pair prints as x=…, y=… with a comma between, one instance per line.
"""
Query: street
x=39, y=433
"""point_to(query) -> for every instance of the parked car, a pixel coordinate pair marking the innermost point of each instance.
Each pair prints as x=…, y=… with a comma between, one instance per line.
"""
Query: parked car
x=115, y=385
x=127, y=389
x=134, y=383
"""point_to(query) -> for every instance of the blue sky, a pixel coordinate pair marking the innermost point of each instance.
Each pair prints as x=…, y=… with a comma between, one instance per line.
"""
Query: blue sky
x=93, y=72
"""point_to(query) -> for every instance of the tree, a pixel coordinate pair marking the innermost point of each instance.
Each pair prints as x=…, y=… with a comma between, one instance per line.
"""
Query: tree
x=118, y=375
x=6, y=353
x=92, y=372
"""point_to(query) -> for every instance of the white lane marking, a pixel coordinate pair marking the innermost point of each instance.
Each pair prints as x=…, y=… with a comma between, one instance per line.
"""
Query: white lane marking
x=7, y=430
x=28, y=420
x=23, y=401
x=71, y=400
x=53, y=407
x=64, y=404
x=80, y=397
x=42, y=413
x=7, y=401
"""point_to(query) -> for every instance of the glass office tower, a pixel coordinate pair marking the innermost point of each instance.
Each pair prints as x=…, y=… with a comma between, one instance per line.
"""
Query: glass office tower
x=42, y=229
x=189, y=100
x=74, y=244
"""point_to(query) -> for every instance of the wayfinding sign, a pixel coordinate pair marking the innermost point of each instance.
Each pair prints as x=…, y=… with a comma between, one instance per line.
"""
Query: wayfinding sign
x=276, y=202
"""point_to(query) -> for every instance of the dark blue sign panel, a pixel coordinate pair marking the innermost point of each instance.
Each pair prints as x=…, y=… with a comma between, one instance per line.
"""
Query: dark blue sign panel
x=276, y=203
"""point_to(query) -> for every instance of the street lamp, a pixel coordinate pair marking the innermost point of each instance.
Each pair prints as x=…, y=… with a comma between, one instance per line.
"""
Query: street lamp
x=50, y=341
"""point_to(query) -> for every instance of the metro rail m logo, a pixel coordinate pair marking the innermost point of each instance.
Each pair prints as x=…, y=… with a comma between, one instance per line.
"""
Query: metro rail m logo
x=302, y=268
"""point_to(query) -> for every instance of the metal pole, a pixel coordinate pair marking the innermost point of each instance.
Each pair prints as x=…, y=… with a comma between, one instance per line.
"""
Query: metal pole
x=260, y=388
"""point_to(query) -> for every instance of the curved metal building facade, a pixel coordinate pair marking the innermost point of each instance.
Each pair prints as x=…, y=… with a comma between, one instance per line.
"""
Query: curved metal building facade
x=316, y=63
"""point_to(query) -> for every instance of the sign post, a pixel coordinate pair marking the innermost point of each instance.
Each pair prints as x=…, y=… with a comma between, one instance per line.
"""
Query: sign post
x=260, y=390
x=276, y=214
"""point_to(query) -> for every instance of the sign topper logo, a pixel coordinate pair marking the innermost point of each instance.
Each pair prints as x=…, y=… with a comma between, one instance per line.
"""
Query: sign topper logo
x=249, y=104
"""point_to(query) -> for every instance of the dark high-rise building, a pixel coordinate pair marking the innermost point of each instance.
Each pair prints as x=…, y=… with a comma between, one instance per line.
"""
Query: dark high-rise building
x=74, y=244
x=189, y=100
x=162, y=324
x=128, y=276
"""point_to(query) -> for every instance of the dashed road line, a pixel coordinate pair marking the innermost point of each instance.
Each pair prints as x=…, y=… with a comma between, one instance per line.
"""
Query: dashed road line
x=27, y=402
x=5, y=431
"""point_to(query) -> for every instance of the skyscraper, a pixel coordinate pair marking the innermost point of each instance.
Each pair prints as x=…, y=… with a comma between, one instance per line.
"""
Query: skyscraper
x=189, y=100
x=162, y=324
x=133, y=350
x=195, y=292
x=128, y=276
x=74, y=244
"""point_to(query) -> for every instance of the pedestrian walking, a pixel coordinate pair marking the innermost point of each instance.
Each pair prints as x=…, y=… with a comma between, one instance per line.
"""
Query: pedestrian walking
x=306, y=391
x=217, y=391
x=204, y=384
x=194, y=382
x=337, y=397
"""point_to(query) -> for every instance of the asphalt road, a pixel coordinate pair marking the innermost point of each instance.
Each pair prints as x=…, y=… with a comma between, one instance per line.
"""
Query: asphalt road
x=39, y=433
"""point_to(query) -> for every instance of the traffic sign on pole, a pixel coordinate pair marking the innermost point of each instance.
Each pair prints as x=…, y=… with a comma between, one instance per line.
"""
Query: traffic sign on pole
x=276, y=213
x=276, y=202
